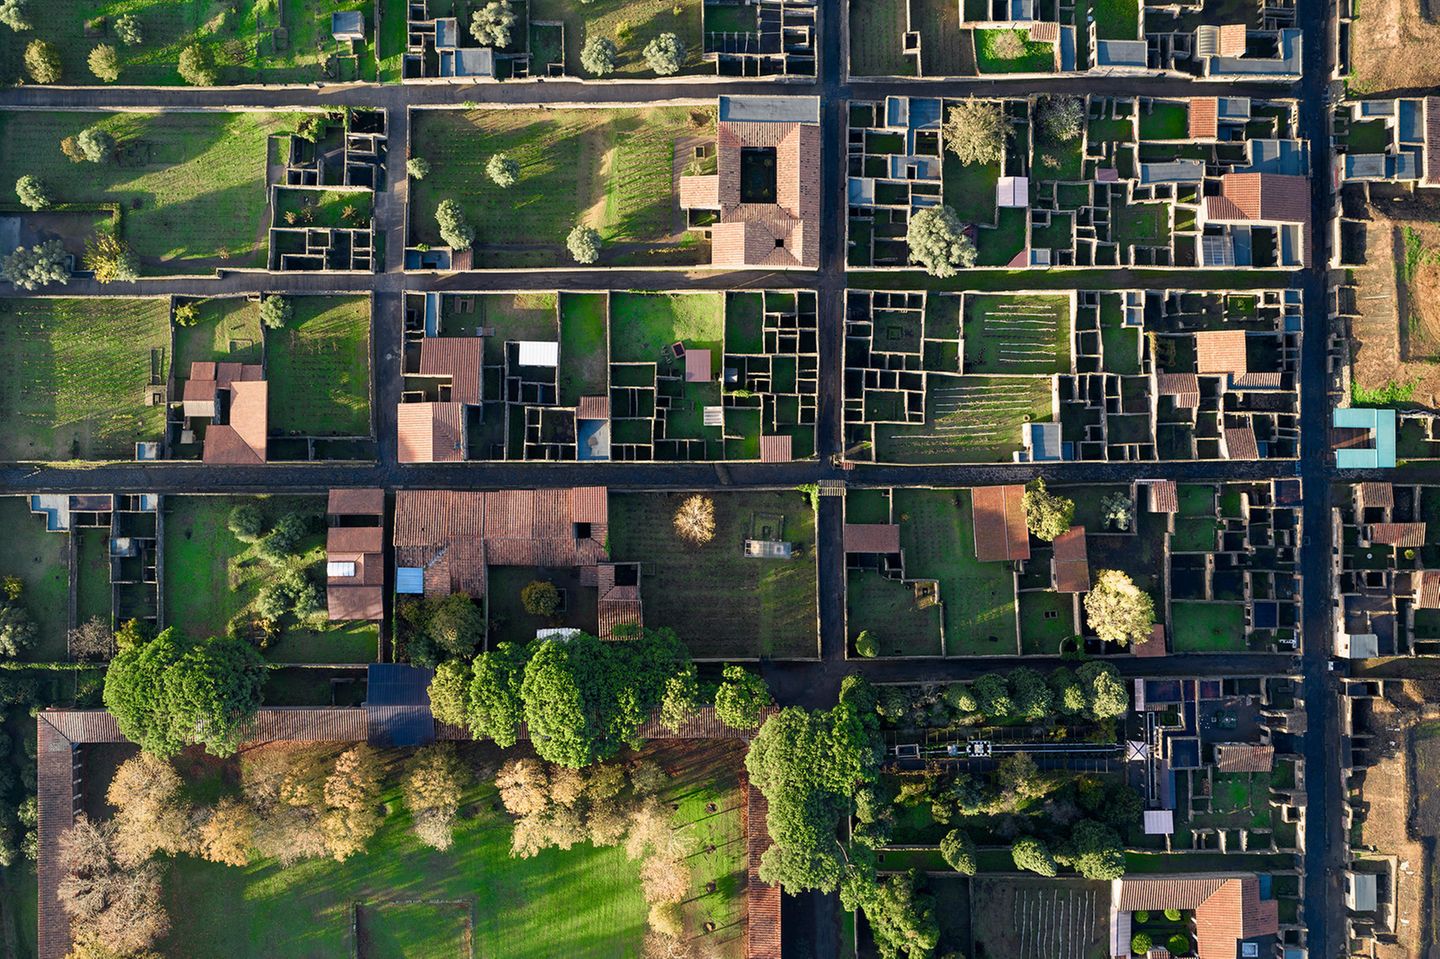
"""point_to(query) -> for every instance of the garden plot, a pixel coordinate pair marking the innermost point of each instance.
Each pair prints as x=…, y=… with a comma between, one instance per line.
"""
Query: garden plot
x=1040, y=919
x=631, y=24
x=968, y=419
x=1025, y=334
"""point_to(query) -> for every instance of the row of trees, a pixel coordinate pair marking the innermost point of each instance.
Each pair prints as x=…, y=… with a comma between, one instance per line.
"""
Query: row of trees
x=583, y=699
x=1093, y=692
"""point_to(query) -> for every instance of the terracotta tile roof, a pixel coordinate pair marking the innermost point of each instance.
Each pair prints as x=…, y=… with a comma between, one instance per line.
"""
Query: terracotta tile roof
x=431, y=432
x=1432, y=142
x=355, y=603
x=700, y=192
x=1262, y=197
x=456, y=357
x=1402, y=535
x=1071, y=561
x=1154, y=646
x=1427, y=592
x=1244, y=758
x=1227, y=908
x=776, y=449
x=698, y=362
x=1257, y=381
x=1220, y=351
x=243, y=439
x=593, y=408
x=1164, y=497
x=1185, y=387
x=618, y=612
x=356, y=502
x=872, y=538
x=1232, y=40
x=762, y=900
x=1240, y=443
x=354, y=539
x=590, y=504
x=1376, y=494
x=1044, y=31
x=783, y=233
x=1204, y=118
x=1107, y=174
x=359, y=596
x=998, y=517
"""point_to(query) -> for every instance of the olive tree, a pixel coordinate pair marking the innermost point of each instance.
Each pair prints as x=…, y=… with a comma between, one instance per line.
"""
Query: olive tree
x=598, y=56
x=105, y=63
x=1118, y=610
x=1046, y=515
x=417, y=168
x=197, y=67
x=584, y=244
x=665, y=54
x=502, y=170
x=276, y=312
x=938, y=242
x=42, y=62
x=15, y=15
x=493, y=24
x=974, y=130
x=30, y=268
x=33, y=192
x=454, y=230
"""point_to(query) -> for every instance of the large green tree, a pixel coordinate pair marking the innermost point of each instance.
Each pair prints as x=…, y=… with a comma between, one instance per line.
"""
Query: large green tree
x=495, y=708
x=742, y=698
x=135, y=694
x=213, y=692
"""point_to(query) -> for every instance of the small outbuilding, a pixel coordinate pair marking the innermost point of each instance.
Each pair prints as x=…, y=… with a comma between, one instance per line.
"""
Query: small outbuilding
x=348, y=26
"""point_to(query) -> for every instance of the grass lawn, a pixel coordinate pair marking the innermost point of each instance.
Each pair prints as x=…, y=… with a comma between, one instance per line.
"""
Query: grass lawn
x=192, y=185
x=877, y=29
x=581, y=902
x=611, y=169
x=1000, y=246
x=1196, y=499
x=228, y=329
x=239, y=36
x=514, y=316
x=1026, y=333
x=945, y=49
x=968, y=419
x=210, y=576
x=888, y=610
x=721, y=602
x=1116, y=19
x=318, y=368
x=332, y=209
x=1120, y=344
x=1207, y=627
x=392, y=40
x=1046, y=619
x=1142, y=224
x=631, y=24
x=39, y=559
x=93, y=572
x=1164, y=121
x=937, y=534
x=645, y=323
x=584, y=345
x=969, y=189
x=74, y=375
x=1036, y=58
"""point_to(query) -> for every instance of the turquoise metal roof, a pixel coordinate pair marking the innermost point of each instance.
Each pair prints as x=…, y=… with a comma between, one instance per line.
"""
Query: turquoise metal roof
x=1379, y=422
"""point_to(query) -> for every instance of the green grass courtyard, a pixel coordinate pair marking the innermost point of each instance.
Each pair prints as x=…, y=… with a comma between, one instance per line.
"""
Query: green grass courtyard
x=318, y=368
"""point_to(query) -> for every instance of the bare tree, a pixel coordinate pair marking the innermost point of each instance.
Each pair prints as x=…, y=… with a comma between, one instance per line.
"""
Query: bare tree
x=92, y=639
x=109, y=906
x=152, y=815
x=695, y=520
x=664, y=879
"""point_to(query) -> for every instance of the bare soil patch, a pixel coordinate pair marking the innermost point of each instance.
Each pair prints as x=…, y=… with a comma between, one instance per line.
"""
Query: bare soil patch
x=1391, y=46
x=1395, y=337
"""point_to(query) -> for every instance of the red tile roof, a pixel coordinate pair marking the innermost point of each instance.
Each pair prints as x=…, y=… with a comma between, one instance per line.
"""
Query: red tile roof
x=431, y=432
x=1220, y=351
x=776, y=449
x=1264, y=197
x=998, y=517
x=356, y=502
x=1227, y=908
x=1402, y=535
x=243, y=439
x=1240, y=443
x=1204, y=118
x=457, y=358
x=1164, y=497
x=1244, y=758
x=1185, y=387
x=1232, y=40
x=1375, y=494
x=762, y=900
x=1071, y=561
x=1432, y=142
x=1427, y=593
x=1154, y=646
x=593, y=408
x=872, y=538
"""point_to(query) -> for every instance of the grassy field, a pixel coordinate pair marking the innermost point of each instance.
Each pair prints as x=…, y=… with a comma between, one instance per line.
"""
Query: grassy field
x=877, y=29
x=969, y=419
x=241, y=37
x=1017, y=334
x=1036, y=58
x=38, y=558
x=1046, y=619
x=610, y=169
x=333, y=209
x=584, y=346
x=192, y=185
x=318, y=368
x=74, y=375
x=937, y=534
x=1029, y=918
x=583, y=902
x=645, y=323
x=722, y=603
x=228, y=329
x=631, y=24
x=1121, y=344
x=888, y=610
x=1207, y=627
x=945, y=49
x=210, y=576
x=93, y=572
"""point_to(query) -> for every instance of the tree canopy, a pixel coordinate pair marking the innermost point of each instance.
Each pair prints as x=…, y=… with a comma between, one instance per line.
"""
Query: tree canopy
x=938, y=242
x=741, y=699
x=974, y=130
x=1118, y=610
x=1046, y=514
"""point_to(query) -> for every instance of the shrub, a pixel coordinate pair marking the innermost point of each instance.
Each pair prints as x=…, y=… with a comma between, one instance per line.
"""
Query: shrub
x=866, y=645
x=197, y=67
x=33, y=192
x=665, y=54
x=36, y=266
x=958, y=850
x=246, y=521
x=42, y=62
x=285, y=536
x=105, y=63
x=540, y=598
x=1142, y=916
x=417, y=168
x=598, y=56
x=13, y=14
x=1179, y=944
x=1174, y=915
x=975, y=130
x=695, y=520
x=584, y=244
x=276, y=312
x=187, y=314
x=1119, y=510
x=13, y=587
x=938, y=242
x=92, y=639
x=17, y=632
x=1031, y=854
x=110, y=258
x=492, y=24
x=502, y=171
x=312, y=127
x=1140, y=943
x=127, y=28
x=95, y=144
x=1061, y=118
x=457, y=234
